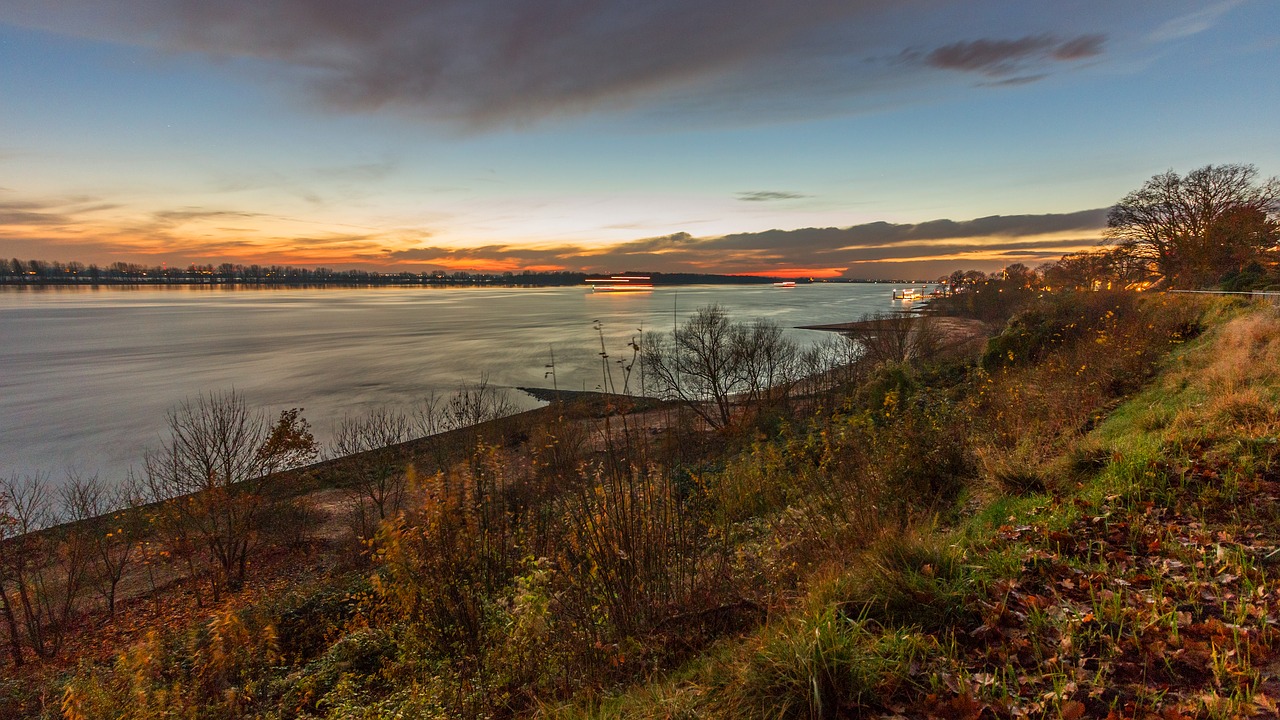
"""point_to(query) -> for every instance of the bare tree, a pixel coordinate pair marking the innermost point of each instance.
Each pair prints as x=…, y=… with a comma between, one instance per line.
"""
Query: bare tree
x=429, y=418
x=212, y=472
x=115, y=532
x=696, y=365
x=30, y=509
x=713, y=364
x=70, y=549
x=9, y=553
x=477, y=403
x=44, y=563
x=830, y=363
x=895, y=337
x=1192, y=230
x=1082, y=270
x=372, y=463
x=471, y=405
x=769, y=362
x=1018, y=275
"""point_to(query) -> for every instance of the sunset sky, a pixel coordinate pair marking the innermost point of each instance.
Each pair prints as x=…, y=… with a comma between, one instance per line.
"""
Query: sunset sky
x=863, y=138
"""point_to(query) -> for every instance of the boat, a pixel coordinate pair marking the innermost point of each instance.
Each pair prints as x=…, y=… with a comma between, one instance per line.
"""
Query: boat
x=908, y=294
x=621, y=283
x=785, y=284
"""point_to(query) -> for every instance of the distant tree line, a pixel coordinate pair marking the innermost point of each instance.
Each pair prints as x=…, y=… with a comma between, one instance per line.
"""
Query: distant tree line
x=41, y=272
x=52, y=273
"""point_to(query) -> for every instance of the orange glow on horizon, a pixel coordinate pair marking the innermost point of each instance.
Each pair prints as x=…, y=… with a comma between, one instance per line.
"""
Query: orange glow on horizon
x=824, y=273
x=133, y=236
x=482, y=266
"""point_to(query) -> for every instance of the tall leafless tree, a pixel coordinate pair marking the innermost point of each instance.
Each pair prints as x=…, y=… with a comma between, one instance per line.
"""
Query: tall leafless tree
x=713, y=364
x=470, y=405
x=212, y=472
x=1191, y=230
x=30, y=509
x=769, y=362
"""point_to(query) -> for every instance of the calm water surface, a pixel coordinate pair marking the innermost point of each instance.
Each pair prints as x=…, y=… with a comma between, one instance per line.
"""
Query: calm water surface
x=87, y=375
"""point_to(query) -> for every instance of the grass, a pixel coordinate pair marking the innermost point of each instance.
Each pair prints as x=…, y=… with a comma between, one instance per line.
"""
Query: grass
x=1138, y=584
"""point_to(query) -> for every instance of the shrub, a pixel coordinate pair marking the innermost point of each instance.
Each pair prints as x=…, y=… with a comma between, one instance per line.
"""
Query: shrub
x=910, y=581
x=1055, y=371
x=634, y=554
x=220, y=669
x=820, y=666
x=358, y=657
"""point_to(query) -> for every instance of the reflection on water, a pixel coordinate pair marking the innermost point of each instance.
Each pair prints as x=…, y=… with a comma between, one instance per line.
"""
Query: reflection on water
x=87, y=374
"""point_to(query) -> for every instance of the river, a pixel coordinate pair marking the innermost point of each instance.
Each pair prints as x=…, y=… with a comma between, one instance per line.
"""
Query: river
x=88, y=374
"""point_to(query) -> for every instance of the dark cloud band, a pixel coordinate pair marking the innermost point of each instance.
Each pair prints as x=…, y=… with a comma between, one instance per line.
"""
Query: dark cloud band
x=769, y=195
x=996, y=237
x=1007, y=57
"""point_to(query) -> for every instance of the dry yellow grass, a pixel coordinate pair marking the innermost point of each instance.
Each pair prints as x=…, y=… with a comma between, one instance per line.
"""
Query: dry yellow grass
x=1248, y=353
x=1238, y=379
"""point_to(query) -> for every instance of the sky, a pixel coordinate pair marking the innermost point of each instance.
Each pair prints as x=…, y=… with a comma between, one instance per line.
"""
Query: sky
x=828, y=138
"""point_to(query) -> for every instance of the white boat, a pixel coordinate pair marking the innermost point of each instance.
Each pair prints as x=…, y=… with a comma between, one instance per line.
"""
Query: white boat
x=621, y=283
x=785, y=284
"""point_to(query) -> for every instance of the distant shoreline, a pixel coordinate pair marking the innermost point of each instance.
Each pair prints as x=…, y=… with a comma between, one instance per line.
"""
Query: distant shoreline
x=9, y=282
x=395, y=282
x=183, y=282
x=15, y=274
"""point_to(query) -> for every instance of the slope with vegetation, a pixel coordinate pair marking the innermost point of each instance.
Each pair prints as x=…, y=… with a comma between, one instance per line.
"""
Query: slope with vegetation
x=949, y=537
x=1125, y=571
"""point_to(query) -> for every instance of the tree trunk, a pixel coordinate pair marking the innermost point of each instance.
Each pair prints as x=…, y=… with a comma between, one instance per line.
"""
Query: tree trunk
x=33, y=620
x=15, y=637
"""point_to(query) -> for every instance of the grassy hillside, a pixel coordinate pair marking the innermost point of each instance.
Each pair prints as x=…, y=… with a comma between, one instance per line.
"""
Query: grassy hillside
x=1138, y=583
x=1077, y=523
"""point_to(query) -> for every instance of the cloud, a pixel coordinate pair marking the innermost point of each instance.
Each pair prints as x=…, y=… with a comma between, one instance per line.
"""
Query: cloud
x=473, y=60
x=1015, y=81
x=48, y=213
x=1085, y=46
x=988, y=241
x=768, y=196
x=30, y=214
x=168, y=229
x=1007, y=57
x=480, y=63
x=177, y=217
x=1192, y=23
x=91, y=230
x=81, y=229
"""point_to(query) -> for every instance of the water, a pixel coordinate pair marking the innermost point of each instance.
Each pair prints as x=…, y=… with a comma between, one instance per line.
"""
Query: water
x=87, y=374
